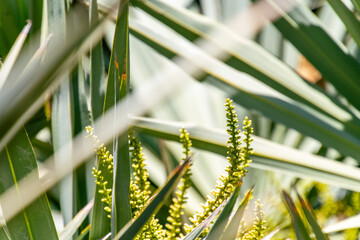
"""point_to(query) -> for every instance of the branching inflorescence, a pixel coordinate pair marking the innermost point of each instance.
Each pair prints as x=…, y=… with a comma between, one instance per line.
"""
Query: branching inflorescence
x=239, y=160
x=174, y=225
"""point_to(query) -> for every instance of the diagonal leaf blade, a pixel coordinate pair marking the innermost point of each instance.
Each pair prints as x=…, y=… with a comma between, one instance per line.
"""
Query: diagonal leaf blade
x=267, y=154
x=304, y=30
x=233, y=227
x=311, y=219
x=246, y=56
x=219, y=226
x=130, y=230
x=347, y=16
x=300, y=229
x=204, y=224
x=71, y=228
x=253, y=95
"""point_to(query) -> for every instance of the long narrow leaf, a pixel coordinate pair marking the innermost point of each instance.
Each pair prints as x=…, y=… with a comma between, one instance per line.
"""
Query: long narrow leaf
x=34, y=83
x=80, y=119
x=267, y=154
x=3, y=234
x=348, y=17
x=204, y=224
x=97, y=70
x=73, y=226
x=304, y=30
x=233, y=227
x=35, y=221
x=221, y=222
x=62, y=135
x=298, y=224
x=61, y=110
x=13, y=54
x=271, y=234
x=247, y=56
x=119, y=76
x=116, y=89
x=348, y=223
x=9, y=28
x=311, y=219
x=253, y=95
x=130, y=230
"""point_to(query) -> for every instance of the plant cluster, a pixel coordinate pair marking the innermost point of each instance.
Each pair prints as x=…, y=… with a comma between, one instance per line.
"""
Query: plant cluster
x=238, y=158
x=59, y=72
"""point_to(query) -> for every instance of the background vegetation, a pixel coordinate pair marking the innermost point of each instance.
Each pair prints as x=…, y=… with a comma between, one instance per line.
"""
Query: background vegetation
x=158, y=66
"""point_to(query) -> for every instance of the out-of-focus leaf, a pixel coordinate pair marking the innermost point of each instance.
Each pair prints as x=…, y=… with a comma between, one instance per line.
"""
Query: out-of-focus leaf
x=130, y=230
x=80, y=119
x=348, y=223
x=267, y=155
x=246, y=56
x=357, y=4
x=204, y=224
x=270, y=235
x=35, y=221
x=300, y=229
x=348, y=17
x=35, y=14
x=3, y=234
x=71, y=228
x=61, y=122
x=9, y=28
x=254, y=95
x=221, y=222
x=62, y=135
x=34, y=83
x=233, y=227
x=311, y=219
x=13, y=54
x=84, y=234
x=301, y=27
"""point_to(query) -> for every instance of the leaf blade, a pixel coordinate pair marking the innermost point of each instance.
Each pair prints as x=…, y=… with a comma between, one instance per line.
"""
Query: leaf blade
x=219, y=226
x=300, y=230
x=36, y=221
x=266, y=153
x=132, y=228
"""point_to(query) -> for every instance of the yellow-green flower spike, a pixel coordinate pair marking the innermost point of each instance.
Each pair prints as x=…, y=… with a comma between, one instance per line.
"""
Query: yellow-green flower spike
x=106, y=160
x=139, y=185
x=174, y=221
x=239, y=160
x=140, y=193
x=257, y=230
